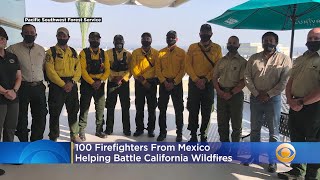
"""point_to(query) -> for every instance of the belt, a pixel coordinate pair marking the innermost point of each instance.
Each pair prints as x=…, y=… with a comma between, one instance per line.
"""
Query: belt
x=170, y=80
x=226, y=89
x=35, y=83
x=66, y=79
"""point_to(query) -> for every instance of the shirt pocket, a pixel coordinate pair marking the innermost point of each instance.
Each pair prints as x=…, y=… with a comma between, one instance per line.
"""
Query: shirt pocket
x=197, y=56
x=235, y=70
x=59, y=64
x=314, y=69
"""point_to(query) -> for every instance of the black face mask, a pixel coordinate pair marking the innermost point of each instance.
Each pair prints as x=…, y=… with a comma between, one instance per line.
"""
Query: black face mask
x=62, y=42
x=29, y=38
x=269, y=47
x=232, y=49
x=94, y=44
x=171, y=42
x=145, y=43
x=313, y=46
x=205, y=37
x=119, y=46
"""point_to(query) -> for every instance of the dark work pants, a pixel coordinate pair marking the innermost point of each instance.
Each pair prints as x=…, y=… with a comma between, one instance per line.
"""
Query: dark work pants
x=8, y=121
x=304, y=126
x=226, y=110
x=35, y=96
x=151, y=95
x=113, y=91
x=177, y=99
x=199, y=99
x=57, y=98
x=87, y=92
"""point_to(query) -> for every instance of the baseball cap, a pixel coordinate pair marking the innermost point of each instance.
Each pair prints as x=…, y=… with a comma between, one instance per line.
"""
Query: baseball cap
x=94, y=34
x=118, y=37
x=172, y=32
x=146, y=34
x=63, y=30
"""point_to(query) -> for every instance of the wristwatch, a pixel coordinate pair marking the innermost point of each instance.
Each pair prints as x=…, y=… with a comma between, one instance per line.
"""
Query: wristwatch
x=15, y=90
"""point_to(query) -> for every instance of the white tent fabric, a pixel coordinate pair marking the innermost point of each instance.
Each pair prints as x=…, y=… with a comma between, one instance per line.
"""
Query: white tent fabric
x=112, y=2
x=156, y=3
x=147, y=3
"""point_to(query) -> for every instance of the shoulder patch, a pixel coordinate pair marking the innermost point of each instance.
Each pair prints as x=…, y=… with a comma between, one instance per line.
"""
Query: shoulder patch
x=12, y=61
x=48, y=57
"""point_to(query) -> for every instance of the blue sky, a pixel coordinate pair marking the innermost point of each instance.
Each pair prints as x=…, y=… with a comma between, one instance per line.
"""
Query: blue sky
x=132, y=21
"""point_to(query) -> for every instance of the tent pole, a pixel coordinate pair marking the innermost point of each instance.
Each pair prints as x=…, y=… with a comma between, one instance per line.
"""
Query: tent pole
x=293, y=20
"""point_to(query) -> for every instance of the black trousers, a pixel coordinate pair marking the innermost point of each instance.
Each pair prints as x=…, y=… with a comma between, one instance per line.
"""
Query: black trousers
x=35, y=96
x=199, y=99
x=304, y=126
x=177, y=99
x=113, y=91
x=141, y=95
x=8, y=121
x=57, y=98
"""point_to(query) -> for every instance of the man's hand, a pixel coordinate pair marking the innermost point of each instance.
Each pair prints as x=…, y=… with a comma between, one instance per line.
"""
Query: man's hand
x=10, y=94
x=227, y=96
x=147, y=85
x=68, y=87
x=140, y=78
x=201, y=83
x=96, y=85
x=295, y=105
x=117, y=80
x=4, y=92
x=263, y=97
x=168, y=85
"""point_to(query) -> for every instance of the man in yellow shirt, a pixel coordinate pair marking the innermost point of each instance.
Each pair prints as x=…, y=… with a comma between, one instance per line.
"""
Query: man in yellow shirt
x=143, y=70
x=63, y=70
x=170, y=70
x=95, y=69
x=200, y=61
x=118, y=84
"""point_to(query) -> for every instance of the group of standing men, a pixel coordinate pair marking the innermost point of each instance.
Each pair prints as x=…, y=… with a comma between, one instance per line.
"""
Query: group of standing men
x=265, y=74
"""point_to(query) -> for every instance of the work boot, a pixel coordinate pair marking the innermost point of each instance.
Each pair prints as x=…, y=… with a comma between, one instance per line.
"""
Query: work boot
x=161, y=137
x=179, y=138
x=108, y=132
x=101, y=135
x=292, y=174
x=193, y=138
x=82, y=136
x=138, y=133
x=23, y=136
x=203, y=138
x=272, y=168
x=127, y=133
x=2, y=172
x=151, y=134
x=76, y=139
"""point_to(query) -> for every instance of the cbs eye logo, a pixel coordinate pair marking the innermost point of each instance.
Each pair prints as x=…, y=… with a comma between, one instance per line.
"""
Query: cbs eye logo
x=285, y=153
